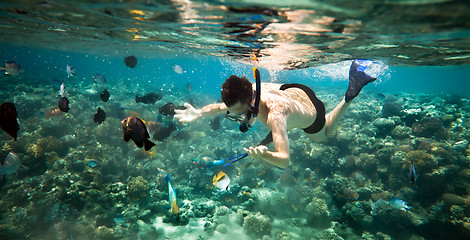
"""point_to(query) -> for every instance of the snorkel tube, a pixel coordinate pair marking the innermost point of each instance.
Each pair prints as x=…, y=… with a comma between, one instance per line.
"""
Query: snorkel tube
x=244, y=127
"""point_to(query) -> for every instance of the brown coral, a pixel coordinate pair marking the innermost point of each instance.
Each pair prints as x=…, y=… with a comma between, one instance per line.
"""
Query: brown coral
x=423, y=161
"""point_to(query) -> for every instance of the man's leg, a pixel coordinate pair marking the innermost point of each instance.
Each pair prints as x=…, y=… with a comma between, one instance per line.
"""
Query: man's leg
x=332, y=118
x=357, y=80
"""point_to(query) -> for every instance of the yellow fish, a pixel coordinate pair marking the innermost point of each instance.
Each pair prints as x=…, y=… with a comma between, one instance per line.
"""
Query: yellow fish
x=221, y=181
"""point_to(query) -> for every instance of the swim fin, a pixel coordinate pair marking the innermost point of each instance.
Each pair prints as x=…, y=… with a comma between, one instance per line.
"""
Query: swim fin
x=357, y=79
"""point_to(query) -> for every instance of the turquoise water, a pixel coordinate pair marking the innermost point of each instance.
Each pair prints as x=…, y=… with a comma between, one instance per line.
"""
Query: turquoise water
x=81, y=180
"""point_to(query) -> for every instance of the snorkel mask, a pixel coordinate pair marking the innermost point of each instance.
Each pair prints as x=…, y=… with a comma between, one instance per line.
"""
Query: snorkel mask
x=248, y=119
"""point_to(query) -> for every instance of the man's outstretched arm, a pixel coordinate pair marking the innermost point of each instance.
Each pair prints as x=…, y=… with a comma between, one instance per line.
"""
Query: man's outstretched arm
x=190, y=113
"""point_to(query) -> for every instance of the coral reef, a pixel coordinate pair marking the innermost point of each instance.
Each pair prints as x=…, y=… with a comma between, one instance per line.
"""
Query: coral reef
x=318, y=215
x=384, y=126
x=336, y=189
x=138, y=188
x=390, y=109
x=429, y=127
x=401, y=132
x=350, y=194
x=257, y=224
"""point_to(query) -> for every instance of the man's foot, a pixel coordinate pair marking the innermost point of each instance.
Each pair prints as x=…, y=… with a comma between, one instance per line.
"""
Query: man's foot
x=357, y=79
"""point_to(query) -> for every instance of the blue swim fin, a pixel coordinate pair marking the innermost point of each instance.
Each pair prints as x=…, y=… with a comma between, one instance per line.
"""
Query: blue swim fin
x=357, y=78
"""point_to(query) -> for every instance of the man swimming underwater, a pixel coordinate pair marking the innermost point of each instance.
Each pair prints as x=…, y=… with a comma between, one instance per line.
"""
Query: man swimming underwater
x=281, y=108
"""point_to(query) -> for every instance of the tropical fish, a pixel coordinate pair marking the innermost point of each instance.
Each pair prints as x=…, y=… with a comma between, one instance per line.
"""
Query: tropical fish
x=149, y=98
x=188, y=86
x=54, y=112
x=144, y=154
x=380, y=96
x=92, y=163
x=174, y=208
x=70, y=71
x=169, y=109
x=100, y=116
x=105, y=95
x=119, y=220
x=130, y=61
x=399, y=204
x=207, y=162
x=11, y=165
x=56, y=84
x=134, y=128
x=413, y=175
x=152, y=125
x=163, y=132
x=69, y=139
x=221, y=181
x=63, y=104
x=8, y=121
x=178, y=69
x=62, y=92
x=123, y=113
x=11, y=68
x=215, y=123
x=99, y=78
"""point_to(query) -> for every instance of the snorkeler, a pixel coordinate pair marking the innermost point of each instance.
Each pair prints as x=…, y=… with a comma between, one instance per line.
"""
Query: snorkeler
x=280, y=108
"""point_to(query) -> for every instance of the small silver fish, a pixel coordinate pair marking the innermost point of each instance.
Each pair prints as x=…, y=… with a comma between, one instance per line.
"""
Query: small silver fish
x=70, y=71
x=399, y=204
x=178, y=69
x=99, y=78
x=11, y=68
x=11, y=165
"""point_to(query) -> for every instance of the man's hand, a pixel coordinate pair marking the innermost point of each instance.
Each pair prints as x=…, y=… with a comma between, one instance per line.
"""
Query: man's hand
x=187, y=115
x=259, y=151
